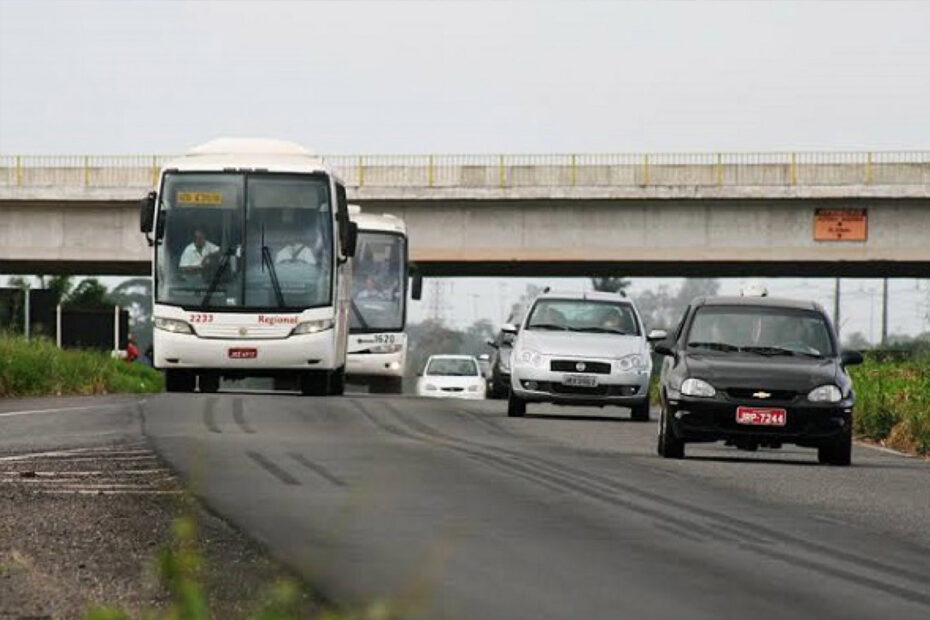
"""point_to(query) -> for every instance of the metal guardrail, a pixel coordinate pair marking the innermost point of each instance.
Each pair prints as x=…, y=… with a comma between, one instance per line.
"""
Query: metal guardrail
x=514, y=170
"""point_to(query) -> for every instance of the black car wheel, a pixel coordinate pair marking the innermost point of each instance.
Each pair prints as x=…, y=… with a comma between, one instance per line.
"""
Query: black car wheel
x=838, y=451
x=516, y=407
x=640, y=411
x=669, y=446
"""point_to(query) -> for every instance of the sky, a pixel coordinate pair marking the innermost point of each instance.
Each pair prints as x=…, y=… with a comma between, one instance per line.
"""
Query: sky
x=483, y=77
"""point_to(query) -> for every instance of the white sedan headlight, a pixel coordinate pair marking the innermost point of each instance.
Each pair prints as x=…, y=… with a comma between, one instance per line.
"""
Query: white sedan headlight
x=527, y=357
x=312, y=327
x=174, y=326
x=474, y=387
x=825, y=394
x=697, y=387
x=630, y=363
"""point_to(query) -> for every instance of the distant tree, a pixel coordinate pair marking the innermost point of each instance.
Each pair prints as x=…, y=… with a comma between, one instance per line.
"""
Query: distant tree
x=610, y=285
x=89, y=293
x=61, y=285
x=518, y=309
x=857, y=342
x=663, y=309
x=19, y=282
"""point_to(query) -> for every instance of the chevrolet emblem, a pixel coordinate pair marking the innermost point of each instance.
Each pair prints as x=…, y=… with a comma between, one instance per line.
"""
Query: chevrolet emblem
x=761, y=395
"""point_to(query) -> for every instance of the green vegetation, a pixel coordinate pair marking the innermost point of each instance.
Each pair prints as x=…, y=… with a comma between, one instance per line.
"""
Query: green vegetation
x=39, y=368
x=893, y=402
x=181, y=568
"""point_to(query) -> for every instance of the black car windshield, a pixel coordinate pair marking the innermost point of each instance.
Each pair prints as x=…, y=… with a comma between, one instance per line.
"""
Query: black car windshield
x=452, y=367
x=583, y=315
x=764, y=330
x=245, y=241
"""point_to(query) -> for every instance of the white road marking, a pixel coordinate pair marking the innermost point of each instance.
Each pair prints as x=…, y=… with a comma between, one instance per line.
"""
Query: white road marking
x=871, y=446
x=7, y=414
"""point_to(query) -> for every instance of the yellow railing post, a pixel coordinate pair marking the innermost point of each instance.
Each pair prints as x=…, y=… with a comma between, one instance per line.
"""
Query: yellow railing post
x=574, y=171
x=793, y=170
x=645, y=175
x=500, y=170
x=719, y=170
x=154, y=170
x=868, y=168
x=361, y=171
x=86, y=172
x=19, y=170
x=430, y=172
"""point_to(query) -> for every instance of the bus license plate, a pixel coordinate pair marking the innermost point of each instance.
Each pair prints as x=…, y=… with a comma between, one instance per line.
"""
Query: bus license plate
x=243, y=354
x=579, y=380
x=757, y=416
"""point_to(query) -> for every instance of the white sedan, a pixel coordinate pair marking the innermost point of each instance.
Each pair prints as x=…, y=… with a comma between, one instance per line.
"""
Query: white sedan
x=452, y=376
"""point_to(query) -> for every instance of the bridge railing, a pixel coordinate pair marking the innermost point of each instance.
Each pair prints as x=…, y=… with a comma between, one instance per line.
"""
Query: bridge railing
x=515, y=170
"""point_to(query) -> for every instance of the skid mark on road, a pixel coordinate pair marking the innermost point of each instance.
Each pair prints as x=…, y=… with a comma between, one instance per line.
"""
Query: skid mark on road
x=317, y=469
x=278, y=472
x=239, y=416
x=209, y=415
x=743, y=533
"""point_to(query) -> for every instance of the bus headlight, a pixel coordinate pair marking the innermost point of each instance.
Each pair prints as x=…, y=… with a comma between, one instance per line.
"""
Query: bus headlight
x=386, y=348
x=174, y=326
x=312, y=327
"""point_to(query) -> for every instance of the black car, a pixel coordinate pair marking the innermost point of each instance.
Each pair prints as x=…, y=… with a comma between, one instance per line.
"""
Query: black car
x=756, y=371
x=499, y=383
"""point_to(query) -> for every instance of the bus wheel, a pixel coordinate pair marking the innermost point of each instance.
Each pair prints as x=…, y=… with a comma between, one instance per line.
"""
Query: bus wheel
x=314, y=383
x=179, y=381
x=386, y=385
x=209, y=383
x=337, y=382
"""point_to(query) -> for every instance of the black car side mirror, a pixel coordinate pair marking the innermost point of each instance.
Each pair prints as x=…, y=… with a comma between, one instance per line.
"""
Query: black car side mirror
x=850, y=358
x=664, y=348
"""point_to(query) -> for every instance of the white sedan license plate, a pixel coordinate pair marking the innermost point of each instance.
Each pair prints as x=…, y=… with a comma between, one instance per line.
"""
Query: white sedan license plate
x=579, y=380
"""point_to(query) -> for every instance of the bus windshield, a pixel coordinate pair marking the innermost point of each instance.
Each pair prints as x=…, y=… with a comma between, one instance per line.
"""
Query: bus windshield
x=378, y=274
x=254, y=241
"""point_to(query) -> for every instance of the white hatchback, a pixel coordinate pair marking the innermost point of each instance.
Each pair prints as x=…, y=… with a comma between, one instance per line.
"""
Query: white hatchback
x=452, y=376
x=582, y=349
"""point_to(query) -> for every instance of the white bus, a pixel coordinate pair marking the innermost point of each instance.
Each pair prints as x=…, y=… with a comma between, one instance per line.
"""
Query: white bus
x=251, y=242
x=377, y=342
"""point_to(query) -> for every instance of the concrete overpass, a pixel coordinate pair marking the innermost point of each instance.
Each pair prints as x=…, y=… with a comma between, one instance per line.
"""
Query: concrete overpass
x=671, y=214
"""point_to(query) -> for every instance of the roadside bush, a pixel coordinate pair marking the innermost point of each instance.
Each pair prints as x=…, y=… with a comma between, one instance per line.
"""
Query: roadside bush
x=39, y=368
x=893, y=402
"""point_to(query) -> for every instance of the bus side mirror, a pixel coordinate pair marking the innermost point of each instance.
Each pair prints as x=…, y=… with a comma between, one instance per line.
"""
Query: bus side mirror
x=416, y=290
x=351, y=240
x=147, y=215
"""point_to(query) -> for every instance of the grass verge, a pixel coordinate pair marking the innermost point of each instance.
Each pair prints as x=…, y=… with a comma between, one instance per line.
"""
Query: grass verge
x=39, y=368
x=893, y=402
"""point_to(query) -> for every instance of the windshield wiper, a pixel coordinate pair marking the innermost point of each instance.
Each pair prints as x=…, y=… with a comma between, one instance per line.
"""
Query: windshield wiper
x=358, y=313
x=717, y=346
x=266, y=259
x=215, y=282
x=779, y=351
x=600, y=330
x=553, y=326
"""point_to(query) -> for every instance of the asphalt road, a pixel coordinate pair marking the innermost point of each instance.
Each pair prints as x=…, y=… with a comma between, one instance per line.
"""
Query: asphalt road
x=452, y=510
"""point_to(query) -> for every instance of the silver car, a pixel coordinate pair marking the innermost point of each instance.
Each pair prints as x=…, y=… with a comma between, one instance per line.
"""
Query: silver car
x=581, y=349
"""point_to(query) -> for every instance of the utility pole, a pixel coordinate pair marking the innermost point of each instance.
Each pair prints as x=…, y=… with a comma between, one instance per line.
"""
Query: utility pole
x=836, y=307
x=884, y=312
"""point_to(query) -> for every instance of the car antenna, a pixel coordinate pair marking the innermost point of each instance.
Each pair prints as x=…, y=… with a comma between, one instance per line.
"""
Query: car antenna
x=547, y=289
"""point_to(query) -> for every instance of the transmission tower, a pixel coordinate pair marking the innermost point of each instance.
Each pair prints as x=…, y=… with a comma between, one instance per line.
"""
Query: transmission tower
x=438, y=302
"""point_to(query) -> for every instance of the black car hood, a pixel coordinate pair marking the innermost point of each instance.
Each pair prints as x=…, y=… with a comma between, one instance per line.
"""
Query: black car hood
x=740, y=370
